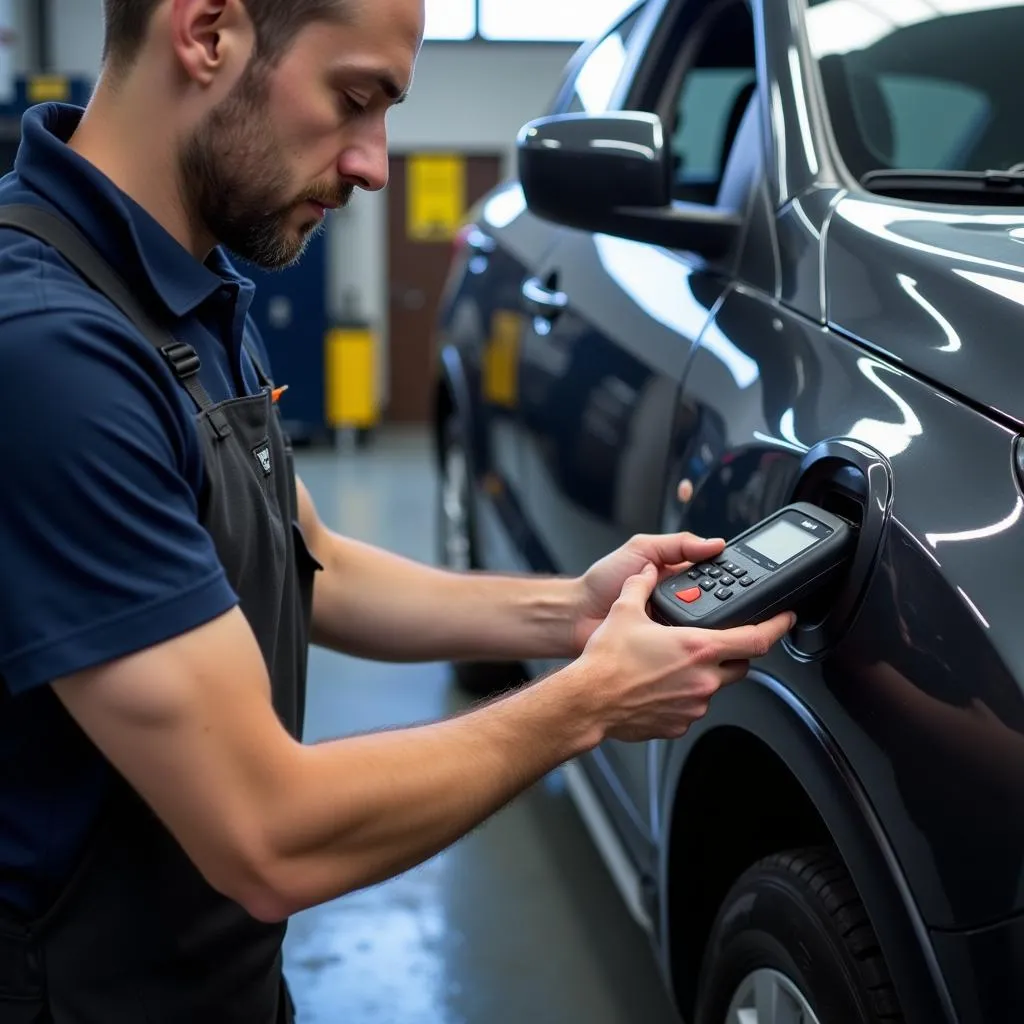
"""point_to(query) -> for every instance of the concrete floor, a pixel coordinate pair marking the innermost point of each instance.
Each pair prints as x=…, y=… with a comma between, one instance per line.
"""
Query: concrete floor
x=518, y=922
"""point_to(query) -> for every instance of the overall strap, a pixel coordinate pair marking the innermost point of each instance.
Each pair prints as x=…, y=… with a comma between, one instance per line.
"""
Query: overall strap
x=82, y=255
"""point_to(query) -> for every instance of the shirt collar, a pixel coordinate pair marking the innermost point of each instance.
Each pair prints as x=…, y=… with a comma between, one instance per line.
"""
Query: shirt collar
x=128, y=237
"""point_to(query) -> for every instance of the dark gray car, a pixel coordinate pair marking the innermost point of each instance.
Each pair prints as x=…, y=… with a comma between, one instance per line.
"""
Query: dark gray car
x=776, y=248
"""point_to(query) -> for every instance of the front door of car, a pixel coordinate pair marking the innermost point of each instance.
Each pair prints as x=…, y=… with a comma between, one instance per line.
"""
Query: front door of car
x=611, y=330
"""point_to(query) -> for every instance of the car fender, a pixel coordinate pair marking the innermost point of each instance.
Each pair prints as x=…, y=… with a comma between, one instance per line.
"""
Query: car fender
x=765, y=708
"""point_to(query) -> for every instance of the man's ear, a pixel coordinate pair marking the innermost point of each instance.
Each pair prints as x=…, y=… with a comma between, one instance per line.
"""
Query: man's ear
x=211, y=36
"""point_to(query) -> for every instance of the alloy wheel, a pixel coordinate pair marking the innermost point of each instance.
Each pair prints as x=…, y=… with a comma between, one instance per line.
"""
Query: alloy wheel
x=767, y=996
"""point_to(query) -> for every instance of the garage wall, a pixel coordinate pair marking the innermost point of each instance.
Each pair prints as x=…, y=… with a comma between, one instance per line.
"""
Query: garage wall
x=471, y=97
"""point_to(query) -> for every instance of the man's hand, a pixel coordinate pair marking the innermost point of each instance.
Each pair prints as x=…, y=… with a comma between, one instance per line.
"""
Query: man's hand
x=602, y=584
x=653, y=681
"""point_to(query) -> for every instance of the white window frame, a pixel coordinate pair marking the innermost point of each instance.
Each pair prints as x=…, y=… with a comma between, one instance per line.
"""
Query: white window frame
x=474, y=28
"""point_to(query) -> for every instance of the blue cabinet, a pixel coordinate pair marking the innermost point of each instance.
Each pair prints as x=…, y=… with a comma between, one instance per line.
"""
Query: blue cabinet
x=290, y=310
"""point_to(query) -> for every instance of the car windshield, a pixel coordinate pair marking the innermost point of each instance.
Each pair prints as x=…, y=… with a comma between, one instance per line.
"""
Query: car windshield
x=925, y=85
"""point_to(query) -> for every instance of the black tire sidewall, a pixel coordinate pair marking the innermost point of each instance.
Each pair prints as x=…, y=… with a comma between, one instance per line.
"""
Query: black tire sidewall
x=768, y=922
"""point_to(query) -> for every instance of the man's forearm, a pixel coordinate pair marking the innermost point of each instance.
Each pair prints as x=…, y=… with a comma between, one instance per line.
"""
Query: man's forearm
x=363, y=809
x=373, y=604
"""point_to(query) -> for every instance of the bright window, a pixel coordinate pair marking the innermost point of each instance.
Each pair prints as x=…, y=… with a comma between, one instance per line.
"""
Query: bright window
x=570, y=21
x=450, y=19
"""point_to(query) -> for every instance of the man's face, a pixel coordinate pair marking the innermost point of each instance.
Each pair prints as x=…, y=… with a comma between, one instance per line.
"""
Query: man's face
x=292, y=141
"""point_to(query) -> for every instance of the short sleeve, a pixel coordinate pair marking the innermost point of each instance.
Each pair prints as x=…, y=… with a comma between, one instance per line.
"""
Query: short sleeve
x=102, y=551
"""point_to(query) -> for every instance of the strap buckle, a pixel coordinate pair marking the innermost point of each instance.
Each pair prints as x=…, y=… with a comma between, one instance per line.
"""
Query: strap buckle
x=183, y=359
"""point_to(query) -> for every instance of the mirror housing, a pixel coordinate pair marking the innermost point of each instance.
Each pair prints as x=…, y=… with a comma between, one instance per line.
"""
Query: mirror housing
x=612, y=174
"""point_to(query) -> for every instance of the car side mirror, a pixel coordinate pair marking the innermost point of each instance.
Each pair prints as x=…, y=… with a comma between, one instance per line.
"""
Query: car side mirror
x=611, y=174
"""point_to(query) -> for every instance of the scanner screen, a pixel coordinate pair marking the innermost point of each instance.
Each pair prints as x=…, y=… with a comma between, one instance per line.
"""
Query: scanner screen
x=780, y=541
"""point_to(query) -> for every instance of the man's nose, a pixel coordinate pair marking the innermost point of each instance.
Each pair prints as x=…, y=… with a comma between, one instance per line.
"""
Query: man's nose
x=365, y=162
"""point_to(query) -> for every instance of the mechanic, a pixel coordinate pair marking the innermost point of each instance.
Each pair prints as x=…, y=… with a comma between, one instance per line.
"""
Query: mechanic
x=164, y=570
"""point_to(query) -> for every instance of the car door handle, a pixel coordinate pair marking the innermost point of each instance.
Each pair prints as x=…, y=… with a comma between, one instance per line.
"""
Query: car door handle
x=542, y=301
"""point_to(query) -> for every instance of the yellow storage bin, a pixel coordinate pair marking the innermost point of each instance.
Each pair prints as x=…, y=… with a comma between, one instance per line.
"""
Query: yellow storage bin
x=351, y=378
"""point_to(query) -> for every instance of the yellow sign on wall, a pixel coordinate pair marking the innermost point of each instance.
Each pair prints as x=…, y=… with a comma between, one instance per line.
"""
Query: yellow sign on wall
x=436, y=196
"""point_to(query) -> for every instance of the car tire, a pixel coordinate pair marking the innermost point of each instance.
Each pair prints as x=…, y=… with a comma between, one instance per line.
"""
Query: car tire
x=456, y=540
x=794, y=935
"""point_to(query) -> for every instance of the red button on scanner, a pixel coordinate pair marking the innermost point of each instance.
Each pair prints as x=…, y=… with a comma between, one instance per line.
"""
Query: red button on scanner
x=689, y=596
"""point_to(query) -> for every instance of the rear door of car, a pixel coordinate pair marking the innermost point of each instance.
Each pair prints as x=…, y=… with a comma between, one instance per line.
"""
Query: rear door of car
x=504, y=246
x=615, y=325
x=482, y=319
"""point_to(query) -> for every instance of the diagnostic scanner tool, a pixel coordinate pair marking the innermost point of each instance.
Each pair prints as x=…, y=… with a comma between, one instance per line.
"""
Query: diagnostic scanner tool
x=769, y=568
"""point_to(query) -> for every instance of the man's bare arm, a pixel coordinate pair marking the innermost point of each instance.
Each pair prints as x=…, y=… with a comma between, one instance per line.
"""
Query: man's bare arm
x=374, y=604
x=278, y=826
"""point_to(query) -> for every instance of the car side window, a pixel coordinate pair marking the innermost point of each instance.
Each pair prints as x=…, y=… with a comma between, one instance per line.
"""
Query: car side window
x=599, y=73
x=706, y=98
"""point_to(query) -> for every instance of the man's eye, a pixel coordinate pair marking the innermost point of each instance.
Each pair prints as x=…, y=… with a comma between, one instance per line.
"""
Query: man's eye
x=353, y=106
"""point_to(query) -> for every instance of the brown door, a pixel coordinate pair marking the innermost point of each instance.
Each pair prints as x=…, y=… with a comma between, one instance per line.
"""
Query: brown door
x=426, y=195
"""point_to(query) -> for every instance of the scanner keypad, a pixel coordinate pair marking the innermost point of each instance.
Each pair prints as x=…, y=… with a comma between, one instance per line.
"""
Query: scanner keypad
x=719, y=579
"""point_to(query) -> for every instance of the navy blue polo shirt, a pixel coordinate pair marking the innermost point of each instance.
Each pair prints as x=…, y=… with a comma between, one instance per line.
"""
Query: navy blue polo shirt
x=101, y=549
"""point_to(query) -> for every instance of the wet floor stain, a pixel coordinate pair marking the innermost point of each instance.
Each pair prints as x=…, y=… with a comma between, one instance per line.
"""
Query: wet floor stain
x=391, y=949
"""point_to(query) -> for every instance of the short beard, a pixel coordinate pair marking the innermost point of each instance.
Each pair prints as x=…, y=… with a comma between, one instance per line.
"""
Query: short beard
x=233, y=178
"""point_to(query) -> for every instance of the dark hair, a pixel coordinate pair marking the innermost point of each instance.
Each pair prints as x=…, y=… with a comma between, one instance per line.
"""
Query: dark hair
x=276, y=23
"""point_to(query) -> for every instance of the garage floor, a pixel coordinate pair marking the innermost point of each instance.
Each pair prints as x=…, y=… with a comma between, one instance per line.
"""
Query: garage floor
x=519, y=922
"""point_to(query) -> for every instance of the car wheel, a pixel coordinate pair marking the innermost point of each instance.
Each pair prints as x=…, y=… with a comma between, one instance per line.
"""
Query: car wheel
x=792, y=944
x=457, y=551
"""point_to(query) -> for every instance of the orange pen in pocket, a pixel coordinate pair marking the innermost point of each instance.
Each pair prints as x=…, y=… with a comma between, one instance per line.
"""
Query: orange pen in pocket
x=277, y=393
